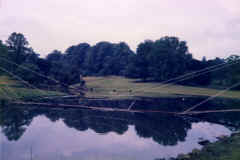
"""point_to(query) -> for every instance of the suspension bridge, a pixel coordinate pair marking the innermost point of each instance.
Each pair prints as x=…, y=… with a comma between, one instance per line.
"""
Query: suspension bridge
x=190, y=111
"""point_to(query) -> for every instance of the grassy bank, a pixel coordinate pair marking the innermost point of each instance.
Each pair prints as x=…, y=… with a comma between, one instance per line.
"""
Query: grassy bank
x=13, y=90
x=227, y=148
x=119, y=87
x=112, y=87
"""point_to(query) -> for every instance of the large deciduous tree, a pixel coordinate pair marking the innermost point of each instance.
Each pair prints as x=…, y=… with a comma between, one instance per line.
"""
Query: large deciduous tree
x=143, y=59
x=169, y=58
x=107, y=58
x=161, y=60
x=18, y=47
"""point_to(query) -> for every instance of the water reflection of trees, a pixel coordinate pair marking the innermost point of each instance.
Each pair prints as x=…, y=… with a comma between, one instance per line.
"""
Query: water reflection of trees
x=14, y=122
x=166, y=130
x=163, y=129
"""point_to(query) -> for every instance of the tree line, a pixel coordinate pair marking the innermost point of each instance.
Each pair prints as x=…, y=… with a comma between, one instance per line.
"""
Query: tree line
x=160, y=60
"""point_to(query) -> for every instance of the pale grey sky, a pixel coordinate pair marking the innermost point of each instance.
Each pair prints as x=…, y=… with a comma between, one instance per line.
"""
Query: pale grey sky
x=211, y=27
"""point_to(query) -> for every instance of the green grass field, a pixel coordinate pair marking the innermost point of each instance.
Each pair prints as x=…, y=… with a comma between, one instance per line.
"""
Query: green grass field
x=13, y=90
x=119, y=87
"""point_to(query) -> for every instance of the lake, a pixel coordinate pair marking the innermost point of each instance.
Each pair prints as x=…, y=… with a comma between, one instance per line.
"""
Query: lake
x=72, y=134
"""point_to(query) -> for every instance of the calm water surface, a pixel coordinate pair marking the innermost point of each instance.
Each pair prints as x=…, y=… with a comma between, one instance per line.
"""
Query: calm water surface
x=47, y=134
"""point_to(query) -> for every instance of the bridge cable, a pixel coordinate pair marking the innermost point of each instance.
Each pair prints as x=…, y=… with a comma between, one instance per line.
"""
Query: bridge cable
x=191, y=75
x=212, y=97
x=184, y=77
x=39, y=74
x=23, y=81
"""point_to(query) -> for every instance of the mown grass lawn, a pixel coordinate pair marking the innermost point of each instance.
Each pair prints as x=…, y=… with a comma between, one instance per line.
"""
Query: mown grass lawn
x=119, y=87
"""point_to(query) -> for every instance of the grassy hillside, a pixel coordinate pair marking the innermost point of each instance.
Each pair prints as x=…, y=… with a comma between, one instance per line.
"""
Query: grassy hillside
x=13, y=90
x=119, y=87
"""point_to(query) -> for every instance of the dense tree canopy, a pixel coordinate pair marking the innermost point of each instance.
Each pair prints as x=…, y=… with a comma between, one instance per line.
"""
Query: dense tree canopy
x=232, y=73
x=107, y=59
x=3, y=54
x=155, y=60
x=18, y=47
x=168, y=52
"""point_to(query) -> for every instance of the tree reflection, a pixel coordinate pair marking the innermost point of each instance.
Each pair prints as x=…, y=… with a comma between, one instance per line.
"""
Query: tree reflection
x=166, y=130
x=14, y=122
x=163, y=129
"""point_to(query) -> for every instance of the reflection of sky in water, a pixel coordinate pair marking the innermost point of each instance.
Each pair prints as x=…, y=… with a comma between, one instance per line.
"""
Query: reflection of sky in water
x=50, y=140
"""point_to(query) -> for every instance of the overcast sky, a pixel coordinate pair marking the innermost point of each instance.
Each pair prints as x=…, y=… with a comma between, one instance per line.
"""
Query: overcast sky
x=211, y=27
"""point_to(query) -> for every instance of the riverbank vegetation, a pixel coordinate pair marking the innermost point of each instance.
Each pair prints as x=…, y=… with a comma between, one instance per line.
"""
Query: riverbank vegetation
x=228, y=148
